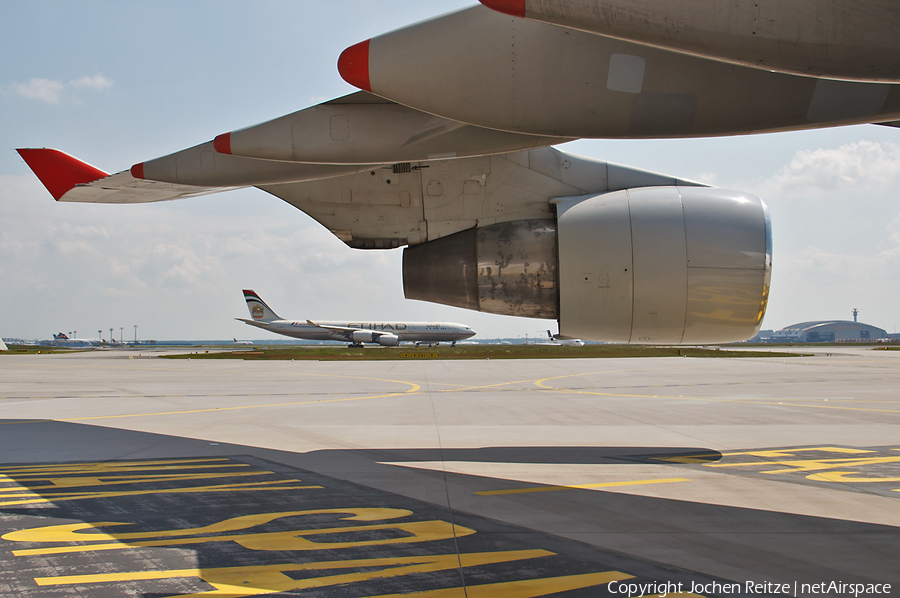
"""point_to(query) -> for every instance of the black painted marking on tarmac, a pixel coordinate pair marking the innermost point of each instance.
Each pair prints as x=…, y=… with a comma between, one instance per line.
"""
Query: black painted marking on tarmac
x=242, y=525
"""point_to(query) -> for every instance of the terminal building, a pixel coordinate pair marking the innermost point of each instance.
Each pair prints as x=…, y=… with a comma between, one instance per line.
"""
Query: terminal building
x=828, y=331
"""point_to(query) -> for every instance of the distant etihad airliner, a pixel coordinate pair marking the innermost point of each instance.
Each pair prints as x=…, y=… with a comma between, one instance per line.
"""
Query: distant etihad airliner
x=388, y=334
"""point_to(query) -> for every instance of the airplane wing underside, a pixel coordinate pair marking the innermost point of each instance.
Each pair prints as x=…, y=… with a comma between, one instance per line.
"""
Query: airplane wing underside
x=122, y=187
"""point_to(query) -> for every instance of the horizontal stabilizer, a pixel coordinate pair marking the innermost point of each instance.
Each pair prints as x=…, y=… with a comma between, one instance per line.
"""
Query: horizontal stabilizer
x=69, y=179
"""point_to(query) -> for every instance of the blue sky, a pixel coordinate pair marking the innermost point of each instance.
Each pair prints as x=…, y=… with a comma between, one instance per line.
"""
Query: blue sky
x=115, y=83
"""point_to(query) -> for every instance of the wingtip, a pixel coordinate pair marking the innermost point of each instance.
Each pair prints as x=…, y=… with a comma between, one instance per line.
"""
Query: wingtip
x=58, y=171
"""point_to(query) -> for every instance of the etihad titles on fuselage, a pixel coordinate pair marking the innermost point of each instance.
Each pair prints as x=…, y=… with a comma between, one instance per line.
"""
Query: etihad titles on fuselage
x=383, y=333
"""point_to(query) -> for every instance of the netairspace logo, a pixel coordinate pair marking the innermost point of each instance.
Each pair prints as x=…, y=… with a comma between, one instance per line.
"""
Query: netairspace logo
x=661, y=589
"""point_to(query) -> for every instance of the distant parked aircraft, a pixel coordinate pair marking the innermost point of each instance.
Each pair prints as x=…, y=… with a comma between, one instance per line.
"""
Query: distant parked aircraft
x=63, y=340
x=356, y=333
x=237, y=342
x=566, y=342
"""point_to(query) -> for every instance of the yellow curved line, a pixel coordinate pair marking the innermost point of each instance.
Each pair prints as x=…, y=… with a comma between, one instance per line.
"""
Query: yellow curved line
x=413, y=386
x=540, y=383
x=393, y=394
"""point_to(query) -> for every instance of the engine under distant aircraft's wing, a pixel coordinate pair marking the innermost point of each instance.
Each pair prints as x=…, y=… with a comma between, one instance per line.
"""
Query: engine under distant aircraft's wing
x=345, y=332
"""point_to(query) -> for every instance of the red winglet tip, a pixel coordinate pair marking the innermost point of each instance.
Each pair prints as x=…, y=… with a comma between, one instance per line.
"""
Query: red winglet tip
x=137, y=171
x=514, y=8
x=58, y=171
x=353, y=65
x=222, y=143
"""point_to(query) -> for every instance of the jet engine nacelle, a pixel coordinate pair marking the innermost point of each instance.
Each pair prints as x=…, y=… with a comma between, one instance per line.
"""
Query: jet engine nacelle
x=388, y=340
x=480, y=67
x=655, y=265
x=828, y=38
x=362, y=336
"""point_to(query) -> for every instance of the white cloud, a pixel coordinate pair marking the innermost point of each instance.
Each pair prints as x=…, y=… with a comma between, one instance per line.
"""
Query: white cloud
x=44, y=90
x=894, y=230
x=708, y=178
x=855, y=166
x=97, y=82
x=52, y=91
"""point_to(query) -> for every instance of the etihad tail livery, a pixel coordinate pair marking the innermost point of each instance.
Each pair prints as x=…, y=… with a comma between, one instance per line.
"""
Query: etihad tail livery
x=389, y=334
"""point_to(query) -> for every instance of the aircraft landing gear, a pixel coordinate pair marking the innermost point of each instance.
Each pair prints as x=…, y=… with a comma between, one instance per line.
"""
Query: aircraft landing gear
x=355, y=346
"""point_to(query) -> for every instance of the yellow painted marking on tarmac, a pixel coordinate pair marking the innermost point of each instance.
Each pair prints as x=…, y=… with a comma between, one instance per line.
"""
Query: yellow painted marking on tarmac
x=92, y=482
x=413, y=386
x=799, y=465
x=248, y=487
x=139, y=465
x=525, y=588
x=843, y=476
x=74, y=532
x=541, y=384
x=255, y=580
x=412, y=532
x=775, y=453
x=414, y=389
x=766, y=454
x=485, y=386
x=111, y=467
x=580, y=486
x=241, y=407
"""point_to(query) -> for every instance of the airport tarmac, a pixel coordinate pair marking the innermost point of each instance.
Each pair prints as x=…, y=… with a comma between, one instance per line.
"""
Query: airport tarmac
x=124, y=474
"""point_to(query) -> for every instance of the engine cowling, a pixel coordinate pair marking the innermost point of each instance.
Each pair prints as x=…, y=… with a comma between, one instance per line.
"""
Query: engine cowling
x=655, y=265
x=388, y=340
x=362, y=336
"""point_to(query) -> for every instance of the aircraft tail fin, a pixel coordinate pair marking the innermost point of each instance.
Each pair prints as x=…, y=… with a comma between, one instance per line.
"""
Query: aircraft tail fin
x=259, y=311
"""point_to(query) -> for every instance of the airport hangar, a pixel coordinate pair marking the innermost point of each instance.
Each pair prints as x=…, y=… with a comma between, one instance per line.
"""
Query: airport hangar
x=829, y=331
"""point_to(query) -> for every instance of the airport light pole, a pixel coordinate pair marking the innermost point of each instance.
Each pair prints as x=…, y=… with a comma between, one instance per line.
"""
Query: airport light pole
x=111, y=338
x=135, y=334
x=120, y=334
